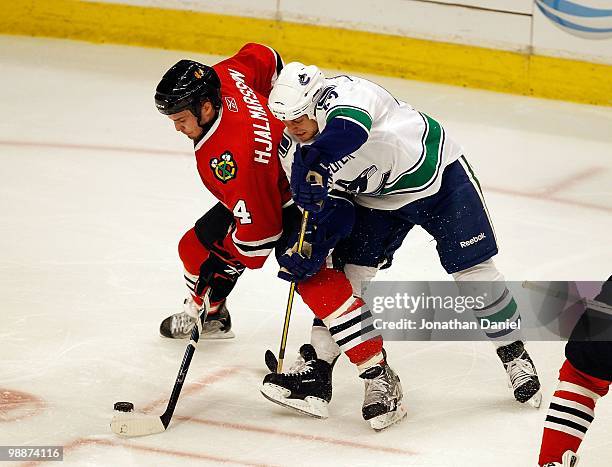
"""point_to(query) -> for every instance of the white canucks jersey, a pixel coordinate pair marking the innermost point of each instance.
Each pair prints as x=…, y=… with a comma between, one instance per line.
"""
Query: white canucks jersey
x=403, y=157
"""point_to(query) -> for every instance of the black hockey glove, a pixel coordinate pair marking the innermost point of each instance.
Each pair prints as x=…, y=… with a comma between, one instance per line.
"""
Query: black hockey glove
x=219, y=275
x=324, y=230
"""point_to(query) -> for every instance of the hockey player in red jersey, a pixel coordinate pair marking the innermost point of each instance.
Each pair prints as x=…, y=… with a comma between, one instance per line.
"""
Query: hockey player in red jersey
x=585, y=376
x=223, y=110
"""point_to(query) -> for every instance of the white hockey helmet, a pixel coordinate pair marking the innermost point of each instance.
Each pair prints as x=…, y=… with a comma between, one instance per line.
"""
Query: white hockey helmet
x=296, y=91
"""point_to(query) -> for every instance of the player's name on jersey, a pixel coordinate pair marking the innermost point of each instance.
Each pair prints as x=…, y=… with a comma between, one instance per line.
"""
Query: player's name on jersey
x=407, y=324
x=261, y=131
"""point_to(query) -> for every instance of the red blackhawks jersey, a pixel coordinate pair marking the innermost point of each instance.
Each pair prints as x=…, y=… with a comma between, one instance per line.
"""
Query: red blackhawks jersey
x=237, y=158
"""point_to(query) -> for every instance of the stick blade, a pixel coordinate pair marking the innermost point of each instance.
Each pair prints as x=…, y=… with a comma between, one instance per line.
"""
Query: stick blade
x=128, y=425
x=271, y=361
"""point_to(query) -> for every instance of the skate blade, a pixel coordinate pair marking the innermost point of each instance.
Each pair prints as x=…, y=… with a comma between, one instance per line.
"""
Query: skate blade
x=213, y=335
x=217, y=335
x=536, y=400
x=383, y=421
x=311, y=406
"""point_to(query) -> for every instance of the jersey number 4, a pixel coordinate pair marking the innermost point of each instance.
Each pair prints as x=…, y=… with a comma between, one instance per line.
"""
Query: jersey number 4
x=242, y=213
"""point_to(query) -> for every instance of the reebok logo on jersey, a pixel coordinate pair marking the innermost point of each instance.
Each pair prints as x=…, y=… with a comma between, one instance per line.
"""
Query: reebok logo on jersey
x=232, y=106
x=473, y=240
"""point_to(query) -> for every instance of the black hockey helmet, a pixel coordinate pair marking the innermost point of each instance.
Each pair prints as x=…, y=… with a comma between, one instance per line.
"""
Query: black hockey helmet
x=185, y=86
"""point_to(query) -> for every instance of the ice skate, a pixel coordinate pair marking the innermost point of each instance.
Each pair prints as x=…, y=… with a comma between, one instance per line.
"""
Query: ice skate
x=383, y=402
x=569, y=459
x=522, y=375
x=306, y=387
x=180, y=325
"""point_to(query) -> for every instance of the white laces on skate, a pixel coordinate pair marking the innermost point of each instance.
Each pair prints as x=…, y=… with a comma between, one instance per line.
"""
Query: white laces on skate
x=378, y=389
x=298, y=366
x=182, y=323
x=520, y=371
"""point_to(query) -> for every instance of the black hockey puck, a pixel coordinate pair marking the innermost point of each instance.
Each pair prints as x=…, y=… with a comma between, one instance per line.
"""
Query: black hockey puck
x=123, y=406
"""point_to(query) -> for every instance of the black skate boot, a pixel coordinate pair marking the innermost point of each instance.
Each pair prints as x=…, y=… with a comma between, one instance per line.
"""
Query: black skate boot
x=323, y=343
x=383, y=402
x=522, y=375
x=180, y=325
x=306, y=387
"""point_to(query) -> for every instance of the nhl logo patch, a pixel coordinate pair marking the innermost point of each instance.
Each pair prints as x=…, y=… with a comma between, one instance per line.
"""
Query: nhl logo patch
x=304, y=79
x=224, y=168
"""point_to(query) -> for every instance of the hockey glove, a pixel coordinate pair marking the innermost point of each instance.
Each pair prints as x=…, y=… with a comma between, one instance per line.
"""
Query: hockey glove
x=311, y=178
x=297, y=267
x=323, y=232
x=219, y=275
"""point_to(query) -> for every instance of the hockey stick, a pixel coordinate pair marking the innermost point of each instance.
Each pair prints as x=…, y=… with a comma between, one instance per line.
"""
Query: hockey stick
x=271, y=362
x=283, y=343
x=139, y=424
x=588, y=303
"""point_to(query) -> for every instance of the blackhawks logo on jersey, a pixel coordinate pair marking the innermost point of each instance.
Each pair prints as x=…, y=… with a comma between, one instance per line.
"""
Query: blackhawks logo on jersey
x=224, y=168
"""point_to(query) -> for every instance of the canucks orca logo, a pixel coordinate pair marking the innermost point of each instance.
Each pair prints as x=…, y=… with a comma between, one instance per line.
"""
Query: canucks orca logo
x=324, y=100
x=304, y=79
x=224, y=168
x=359, y=184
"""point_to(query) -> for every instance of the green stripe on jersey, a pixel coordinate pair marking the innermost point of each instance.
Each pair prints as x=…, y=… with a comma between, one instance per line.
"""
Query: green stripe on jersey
x=352, y=113
x=429, y=164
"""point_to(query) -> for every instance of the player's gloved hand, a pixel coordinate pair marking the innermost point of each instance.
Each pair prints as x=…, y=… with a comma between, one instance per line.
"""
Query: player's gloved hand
x=219, y=275
x=324, y=230
x=297, y=267
x=311, y=178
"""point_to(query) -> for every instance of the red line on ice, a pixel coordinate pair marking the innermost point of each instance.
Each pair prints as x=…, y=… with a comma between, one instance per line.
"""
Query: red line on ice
x=571, y=180
x=295, y=435
x=80, y=442
x=199, y=384
x=545, y=195
x=92, y=147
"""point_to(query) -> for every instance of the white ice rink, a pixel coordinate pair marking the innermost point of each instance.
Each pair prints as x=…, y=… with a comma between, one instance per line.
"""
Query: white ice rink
x=96, y=190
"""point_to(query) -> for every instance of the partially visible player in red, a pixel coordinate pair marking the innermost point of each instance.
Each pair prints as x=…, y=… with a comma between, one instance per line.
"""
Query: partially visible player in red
x=586, y=376
x=223, y=110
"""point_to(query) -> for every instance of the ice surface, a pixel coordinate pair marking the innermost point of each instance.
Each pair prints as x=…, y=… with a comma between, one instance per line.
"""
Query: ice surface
x=96, y=190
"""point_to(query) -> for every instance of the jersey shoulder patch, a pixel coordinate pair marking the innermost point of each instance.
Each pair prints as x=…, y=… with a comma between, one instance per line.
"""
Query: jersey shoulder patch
x=285, y=145
x=343, y=100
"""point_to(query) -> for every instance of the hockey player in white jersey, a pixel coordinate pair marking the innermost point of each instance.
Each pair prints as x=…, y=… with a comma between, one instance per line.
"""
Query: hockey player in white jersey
x=403, y=170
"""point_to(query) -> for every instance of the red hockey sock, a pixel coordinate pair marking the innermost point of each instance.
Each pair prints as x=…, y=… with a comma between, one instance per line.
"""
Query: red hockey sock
x=570, y=413
x=330, y=296
x=193, y=254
